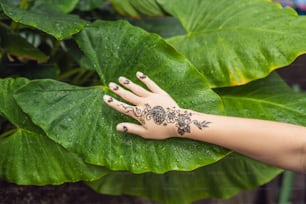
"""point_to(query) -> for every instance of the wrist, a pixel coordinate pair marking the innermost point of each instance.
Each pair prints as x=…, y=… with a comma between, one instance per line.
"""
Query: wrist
x=189, y=123
x=181, y=120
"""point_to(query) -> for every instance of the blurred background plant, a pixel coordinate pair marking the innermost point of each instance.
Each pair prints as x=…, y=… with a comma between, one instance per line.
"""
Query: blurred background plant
x=298, y=5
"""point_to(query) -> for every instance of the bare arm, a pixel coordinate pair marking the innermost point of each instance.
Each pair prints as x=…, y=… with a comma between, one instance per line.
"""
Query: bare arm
x=278, y=144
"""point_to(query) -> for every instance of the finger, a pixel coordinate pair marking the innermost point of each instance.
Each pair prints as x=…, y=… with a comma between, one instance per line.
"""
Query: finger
x=149, y=83
x=126, y=95
x=124, y=108
x=132, y=128
x=136, y=89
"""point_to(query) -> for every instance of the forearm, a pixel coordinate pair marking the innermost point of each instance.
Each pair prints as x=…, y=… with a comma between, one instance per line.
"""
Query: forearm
x=278, y=144
x=160, y=117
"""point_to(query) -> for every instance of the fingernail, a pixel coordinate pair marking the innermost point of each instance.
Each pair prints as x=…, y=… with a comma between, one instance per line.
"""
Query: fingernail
x=108, y=99
x=141, y=75
x=113, y=86
x=124, y=128
x=121, y=128
x=124, y=80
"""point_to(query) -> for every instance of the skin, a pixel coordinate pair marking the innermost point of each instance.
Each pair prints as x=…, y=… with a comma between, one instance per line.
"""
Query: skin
x=278, y=144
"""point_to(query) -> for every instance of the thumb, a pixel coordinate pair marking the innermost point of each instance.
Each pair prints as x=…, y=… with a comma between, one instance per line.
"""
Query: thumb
x=132, y=129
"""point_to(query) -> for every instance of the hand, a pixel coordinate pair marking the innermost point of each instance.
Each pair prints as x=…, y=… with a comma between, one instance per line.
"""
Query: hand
x=159, y=115
x=151, y=108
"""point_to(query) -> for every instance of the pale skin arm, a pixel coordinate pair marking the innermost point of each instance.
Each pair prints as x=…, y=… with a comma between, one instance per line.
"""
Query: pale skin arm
x=278, y=144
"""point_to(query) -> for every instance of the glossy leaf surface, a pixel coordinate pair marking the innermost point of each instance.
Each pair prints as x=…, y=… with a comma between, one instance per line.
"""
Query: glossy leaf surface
x=166, y=26
x=233, y=42
x=28, y=156
x=45, y=17
x=219, y=180
x=87, y=126
x=64, y=6
x=269, y=98
x=117, y=49
x=133, y=7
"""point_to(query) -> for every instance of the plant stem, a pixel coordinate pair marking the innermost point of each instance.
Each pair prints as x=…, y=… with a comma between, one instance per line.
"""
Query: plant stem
x=14, y=25
x=55, y=48
x=78, y=77
x=69, y=73
x=286, y=188
x=86, y=76
x=23, y=4
x=7, y=133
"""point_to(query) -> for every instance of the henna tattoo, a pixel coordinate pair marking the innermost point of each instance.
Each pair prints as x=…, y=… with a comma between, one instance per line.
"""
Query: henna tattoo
x=201, y=125
x=125, y=129
x=161, y=116
x=136, y=111
x=126, y=81
x=115, y=88
x=157, y=113
x=110, y=100
x=142, y=76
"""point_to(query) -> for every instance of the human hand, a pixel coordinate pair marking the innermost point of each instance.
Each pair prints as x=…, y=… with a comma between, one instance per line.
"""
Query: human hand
x=159, y=115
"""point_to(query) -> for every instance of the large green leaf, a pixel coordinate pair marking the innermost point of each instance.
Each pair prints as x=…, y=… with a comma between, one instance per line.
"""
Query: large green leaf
x=233, y=42
x=78, y=119
x=87, y=126
x=131, y=7
x=8, y=107
x=166, y=26
x=118, y=48
x=269, y=98
x=28, y=156
x=46, y=17
x=64, y=6
x=219, y=180
x=124, y=8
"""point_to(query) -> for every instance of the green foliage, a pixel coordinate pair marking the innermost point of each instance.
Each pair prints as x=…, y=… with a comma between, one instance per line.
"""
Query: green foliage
x=55, y=128
x=28, y=156
x=113, y=53
x=134, y=7
x=14, y=44
x=235, y=42
x=221, y=179
x=46, y=16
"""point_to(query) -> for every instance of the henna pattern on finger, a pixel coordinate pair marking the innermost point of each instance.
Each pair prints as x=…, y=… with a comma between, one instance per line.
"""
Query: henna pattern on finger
x=161, y=116
x=135, y=110
x=115, y=88
x=110, y=100
x=125, y=129
x=142, y=76
x=126, y=81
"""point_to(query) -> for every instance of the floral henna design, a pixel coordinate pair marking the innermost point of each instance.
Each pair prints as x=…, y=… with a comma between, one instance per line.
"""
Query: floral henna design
x=157, y=113
x=161, y=116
